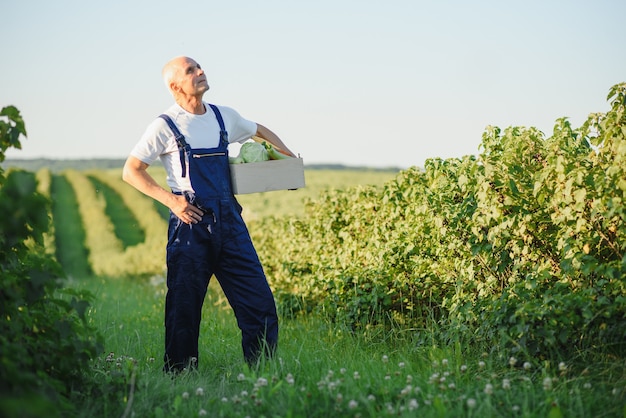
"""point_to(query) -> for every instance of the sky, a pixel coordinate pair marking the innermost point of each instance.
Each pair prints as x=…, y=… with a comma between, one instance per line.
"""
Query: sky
x=354, y=82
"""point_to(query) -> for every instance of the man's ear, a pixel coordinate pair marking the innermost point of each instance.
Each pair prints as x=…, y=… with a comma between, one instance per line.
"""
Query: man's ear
x=174, y=87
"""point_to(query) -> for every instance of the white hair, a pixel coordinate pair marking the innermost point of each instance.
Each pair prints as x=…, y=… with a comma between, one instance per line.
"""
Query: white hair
x=170, y=72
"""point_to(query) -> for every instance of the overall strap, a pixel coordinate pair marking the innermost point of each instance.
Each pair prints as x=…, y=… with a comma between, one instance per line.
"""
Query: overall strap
x=180, y=141
x=218, y=115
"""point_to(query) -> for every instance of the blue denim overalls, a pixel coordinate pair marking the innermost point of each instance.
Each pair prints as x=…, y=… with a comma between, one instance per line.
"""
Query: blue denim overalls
x=219, y=244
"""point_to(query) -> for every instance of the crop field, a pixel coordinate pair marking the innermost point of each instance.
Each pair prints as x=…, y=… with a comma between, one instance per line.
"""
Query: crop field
x=127, y=230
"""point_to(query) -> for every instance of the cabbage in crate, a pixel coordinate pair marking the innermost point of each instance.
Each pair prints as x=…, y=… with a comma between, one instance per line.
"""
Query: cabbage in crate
x=251, y=152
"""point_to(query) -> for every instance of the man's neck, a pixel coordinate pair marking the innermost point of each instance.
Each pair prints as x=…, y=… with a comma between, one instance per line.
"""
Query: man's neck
x=192, y=104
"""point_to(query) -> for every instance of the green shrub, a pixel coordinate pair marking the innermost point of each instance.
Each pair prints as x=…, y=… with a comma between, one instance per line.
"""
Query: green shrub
x=45, y=340
x=523, y=243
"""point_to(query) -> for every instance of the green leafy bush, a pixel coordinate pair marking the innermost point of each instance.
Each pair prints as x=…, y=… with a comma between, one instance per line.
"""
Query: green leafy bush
x=521, y=244
x=45, y=340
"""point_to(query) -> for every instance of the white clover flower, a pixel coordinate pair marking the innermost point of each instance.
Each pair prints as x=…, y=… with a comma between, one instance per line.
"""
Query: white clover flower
x=244, y=393
x=451, y=386
x=151, y=359
x=413, y=405
x=463, y=368
x=290, y=380
x=506, y=384
x=261, y=381
x=527, y=366
x=356, y=376
x=342, y=370
x=587, y=385
x=202, y=413
x=199, y=392
x=224, y=400
x=471, y=403
x=512, y=361
x=371, y=398
x=385, y=359
x=547, y=383
x=241, y=377
x=488, y=389
x=515, y=408
x=444, y=362
x=401, y=365
x=562, y=367
x=409, y=378
x=387, y=377
x=185, y=395
x=339, y=397
x=481, y=364
x=353, y=404
x=407, y=389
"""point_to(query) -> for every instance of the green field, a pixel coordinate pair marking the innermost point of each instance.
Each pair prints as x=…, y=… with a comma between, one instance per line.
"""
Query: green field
x=322, y=368
x=110, y=241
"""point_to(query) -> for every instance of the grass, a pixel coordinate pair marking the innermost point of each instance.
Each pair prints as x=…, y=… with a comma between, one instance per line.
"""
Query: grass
x=322, y=369
x=69, y=234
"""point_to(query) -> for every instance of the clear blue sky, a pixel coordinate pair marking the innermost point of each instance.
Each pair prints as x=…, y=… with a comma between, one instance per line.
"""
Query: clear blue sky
x=357, y=82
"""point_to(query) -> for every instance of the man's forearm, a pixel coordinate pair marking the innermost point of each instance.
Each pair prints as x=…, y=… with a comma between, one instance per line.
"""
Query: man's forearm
x=272, y=138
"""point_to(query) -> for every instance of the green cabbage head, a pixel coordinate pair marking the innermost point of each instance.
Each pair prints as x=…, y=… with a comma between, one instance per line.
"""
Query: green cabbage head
x=253, y=152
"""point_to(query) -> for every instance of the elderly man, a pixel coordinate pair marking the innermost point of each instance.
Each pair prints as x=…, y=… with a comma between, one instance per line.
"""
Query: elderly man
x=206, y=234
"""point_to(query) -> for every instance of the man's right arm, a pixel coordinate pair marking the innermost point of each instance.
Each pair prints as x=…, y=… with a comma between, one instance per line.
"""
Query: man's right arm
x=135, y=173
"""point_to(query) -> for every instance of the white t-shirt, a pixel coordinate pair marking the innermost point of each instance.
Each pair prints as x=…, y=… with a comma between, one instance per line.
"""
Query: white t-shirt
x=200, y=131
